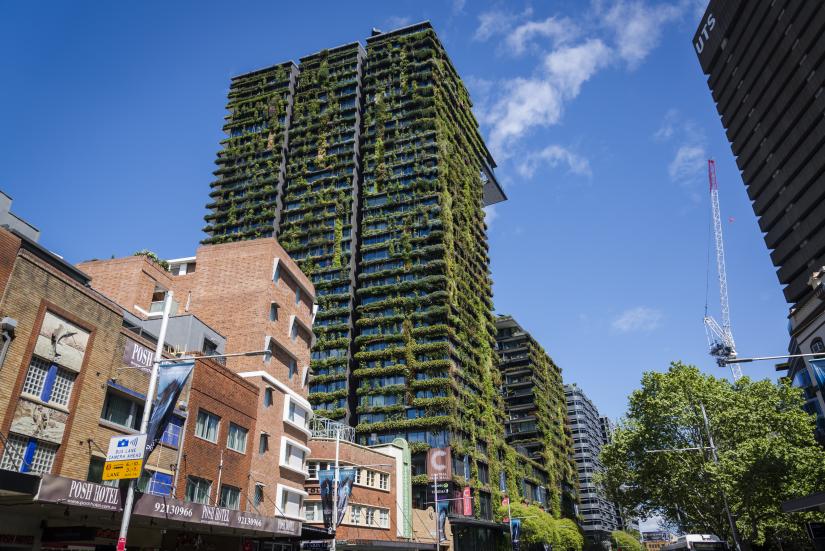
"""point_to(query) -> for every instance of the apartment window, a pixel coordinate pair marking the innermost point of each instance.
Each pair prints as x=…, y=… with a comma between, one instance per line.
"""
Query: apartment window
x=358, y=476
x=294, y=331
x=259, y=495
x=384, y=518
x=123, y=411
x=160, y=484
x=312, y=470
x=313, y=511
x=291, y=501
x=355, y=514
x=370, y=478
x=296, y=414
x=198, y=489
x=171, y=435
x=297, y=295
x=158, y=299
x=263, y=443
x=276, y=273
x=817, y=346
x=26, y=454
x=369, y=518
x=209, y=348
x=293, y=367
x=206, y=426
x=293, y=455
x=48, y=382
x=273, y=312
x=230, y=497
x=268, y=397
x=236, y=440
x=383, y=481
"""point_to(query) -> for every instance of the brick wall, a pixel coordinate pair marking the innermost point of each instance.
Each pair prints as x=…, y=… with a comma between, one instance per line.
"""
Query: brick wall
x=362, y=494
x=217, y=390
x=128, y=281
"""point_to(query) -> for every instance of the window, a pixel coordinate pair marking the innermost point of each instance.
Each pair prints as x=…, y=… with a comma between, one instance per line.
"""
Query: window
x=48, y=382
x=314, y=513
x=267, y=396
x=370, y=478
x=273, y=312
x=171, y=436
x=384, y=518
x=160, y=484
x=291, y=501
x=355, y=514
x=198, y=489
x=158, y=298
x=312, y=470
x=230, y=497
x=293, y=367
x=293, y=455
x=296, y=414
x=383, y=481
x=276, y=272
x=236, y=440
x=370, y=516
x=26, y=454
x=207, y=426
x=13, y=452
x=297, y=295
x=123, y=411
x=259, y=495
x=358, y=476
x=209, y=348
x=817, y=346
x=293, y=334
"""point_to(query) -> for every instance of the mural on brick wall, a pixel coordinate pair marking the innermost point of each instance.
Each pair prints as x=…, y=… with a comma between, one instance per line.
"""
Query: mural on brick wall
x=61, y=342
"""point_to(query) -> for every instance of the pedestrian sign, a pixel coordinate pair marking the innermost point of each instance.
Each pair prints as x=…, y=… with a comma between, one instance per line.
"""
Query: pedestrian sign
x=118, y=470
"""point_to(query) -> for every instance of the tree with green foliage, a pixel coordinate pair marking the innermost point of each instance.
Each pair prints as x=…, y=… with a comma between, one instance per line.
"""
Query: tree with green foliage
x=625, y=541
x=766, y=448
x=538, y=527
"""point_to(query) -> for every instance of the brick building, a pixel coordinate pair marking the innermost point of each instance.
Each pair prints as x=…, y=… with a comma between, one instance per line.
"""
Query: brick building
x=73, y=373
x=379, y=512
x=255, y=295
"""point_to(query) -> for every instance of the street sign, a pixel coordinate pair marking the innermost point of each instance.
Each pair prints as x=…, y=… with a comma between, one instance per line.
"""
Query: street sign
x=117, y=470
x=125, y=447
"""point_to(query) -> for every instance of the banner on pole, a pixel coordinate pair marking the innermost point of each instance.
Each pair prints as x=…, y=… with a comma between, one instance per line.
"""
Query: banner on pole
x=326, y=479
x=172, y=378
x=515, y=530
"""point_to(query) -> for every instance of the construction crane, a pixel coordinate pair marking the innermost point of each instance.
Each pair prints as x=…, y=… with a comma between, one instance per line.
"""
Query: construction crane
x=720, y=337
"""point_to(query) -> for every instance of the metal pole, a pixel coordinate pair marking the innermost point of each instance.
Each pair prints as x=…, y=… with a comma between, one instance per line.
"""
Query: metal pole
x=144, y=422
x=510, y=519
x=762, y=358
x=335, y=490
x=734, y=531
x=435, y=499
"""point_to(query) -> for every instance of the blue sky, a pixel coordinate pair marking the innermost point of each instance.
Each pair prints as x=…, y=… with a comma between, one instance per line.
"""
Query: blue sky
x=597, y=112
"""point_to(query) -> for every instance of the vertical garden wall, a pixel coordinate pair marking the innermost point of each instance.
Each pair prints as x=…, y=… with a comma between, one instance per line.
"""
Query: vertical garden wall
x=319, y=215
x=245, y=197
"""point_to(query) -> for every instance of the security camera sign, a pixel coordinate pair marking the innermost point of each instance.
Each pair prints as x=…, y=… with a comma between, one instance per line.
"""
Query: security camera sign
x=126, y=447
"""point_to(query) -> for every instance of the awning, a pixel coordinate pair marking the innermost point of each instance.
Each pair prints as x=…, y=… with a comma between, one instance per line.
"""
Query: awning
x=813, y=502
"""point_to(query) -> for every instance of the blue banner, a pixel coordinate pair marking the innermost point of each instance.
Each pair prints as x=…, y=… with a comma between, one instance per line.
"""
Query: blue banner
x=515, y=532
x=443, y=510
x=818, y=367
x=326, y=480
x=172, y=378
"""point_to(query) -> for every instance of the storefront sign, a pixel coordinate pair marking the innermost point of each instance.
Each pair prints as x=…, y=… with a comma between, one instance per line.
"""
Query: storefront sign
x=173, y=509
x=467, y=502
x=67, y=491
x=137, y=355
x=315, y=545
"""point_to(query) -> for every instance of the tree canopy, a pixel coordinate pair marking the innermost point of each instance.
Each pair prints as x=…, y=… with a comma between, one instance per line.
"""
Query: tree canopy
x=765, y=443
x=624, y=541
x=539, y=526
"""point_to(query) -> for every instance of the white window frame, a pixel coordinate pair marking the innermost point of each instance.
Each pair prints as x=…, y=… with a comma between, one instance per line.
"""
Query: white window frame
x=315, y=506
x=217, y=429
x=288, y=399
x=245, y=437
x=283, y=460
x=279, y=496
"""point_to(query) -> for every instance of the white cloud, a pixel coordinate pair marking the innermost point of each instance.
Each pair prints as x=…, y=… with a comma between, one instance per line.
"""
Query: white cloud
x=458, y=5
x=668, y=127
x=687, y=164
x=397, y=21
x=637, y=27
x=569, y=67
x=638, y=319
x=494, y=23
x=559, y=30
x=554, y=155
x=527, y=103
x=490, y=214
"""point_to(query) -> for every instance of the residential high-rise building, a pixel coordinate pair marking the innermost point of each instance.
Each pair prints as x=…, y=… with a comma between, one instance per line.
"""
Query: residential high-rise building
x=763, y=61
x=599, y=516
x=369, y=168
x=536, y=415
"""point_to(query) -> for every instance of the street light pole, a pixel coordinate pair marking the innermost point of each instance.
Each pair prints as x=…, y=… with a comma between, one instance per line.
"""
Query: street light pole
x=144, y=422
x=734, y=531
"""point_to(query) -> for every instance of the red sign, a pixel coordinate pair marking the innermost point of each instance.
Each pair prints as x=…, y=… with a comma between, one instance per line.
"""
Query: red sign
x=505, y=501
x=506, y=520
x=121, y=544
x=467, y=501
